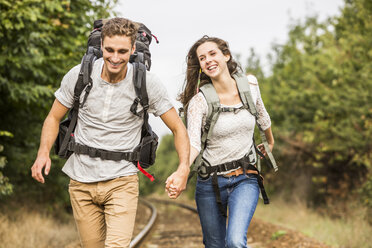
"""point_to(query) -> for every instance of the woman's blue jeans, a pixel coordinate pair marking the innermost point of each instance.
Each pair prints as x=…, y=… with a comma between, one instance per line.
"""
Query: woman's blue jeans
x=239, y=195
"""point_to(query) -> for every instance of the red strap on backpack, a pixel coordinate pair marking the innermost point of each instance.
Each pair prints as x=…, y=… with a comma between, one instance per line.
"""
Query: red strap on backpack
x=151, y=177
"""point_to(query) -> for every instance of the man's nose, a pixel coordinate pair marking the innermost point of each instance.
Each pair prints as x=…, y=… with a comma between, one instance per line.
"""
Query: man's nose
x=115, y=57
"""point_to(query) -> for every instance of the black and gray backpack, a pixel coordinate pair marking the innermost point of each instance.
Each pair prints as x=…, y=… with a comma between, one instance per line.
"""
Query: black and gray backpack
x=143, y=155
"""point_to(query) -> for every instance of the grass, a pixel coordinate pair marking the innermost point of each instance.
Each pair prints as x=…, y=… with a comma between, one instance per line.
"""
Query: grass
x=31, y=229
x=350, y=231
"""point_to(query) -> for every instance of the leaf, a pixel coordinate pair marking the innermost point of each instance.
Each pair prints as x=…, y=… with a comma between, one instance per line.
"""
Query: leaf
x=278, y=234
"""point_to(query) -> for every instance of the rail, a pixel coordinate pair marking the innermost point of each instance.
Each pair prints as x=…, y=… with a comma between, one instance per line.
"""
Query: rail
x=141, y=235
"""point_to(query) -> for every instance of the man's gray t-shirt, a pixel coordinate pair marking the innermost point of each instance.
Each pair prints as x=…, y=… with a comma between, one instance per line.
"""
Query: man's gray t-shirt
x=105, y=121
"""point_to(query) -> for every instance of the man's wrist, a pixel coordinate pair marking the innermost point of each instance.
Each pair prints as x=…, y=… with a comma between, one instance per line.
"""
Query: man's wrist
x=183, y=168
x=43, y=152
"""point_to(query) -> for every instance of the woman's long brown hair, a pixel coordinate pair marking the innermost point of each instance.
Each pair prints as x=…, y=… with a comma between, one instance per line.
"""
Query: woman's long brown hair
x=193, y=67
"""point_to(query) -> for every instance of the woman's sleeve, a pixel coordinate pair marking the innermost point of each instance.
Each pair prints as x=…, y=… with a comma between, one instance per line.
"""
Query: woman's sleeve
x=196, y=113
x=263, y=116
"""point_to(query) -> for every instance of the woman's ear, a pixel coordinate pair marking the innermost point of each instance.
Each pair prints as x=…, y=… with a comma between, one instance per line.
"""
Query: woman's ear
x=227, y=57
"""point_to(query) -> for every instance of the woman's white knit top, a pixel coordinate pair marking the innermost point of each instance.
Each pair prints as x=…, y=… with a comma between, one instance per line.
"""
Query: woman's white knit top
x=232, y=135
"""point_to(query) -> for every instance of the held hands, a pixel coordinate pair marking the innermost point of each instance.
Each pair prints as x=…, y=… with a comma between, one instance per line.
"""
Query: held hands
x=176, y=183
x=36, y=169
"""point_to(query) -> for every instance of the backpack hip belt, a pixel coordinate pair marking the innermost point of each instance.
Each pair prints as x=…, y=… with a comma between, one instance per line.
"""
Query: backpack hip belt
x=206, y=170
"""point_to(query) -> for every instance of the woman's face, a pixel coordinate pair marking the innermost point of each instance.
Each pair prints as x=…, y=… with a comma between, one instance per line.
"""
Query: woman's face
x=212, y=61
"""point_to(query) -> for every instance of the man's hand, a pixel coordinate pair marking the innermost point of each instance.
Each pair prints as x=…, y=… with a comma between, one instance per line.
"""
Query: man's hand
x=36, y=169
x=176, y=183
x=48, y=136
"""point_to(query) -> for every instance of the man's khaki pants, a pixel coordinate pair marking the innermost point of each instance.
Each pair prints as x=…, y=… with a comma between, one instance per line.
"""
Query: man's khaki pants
x=105, y=211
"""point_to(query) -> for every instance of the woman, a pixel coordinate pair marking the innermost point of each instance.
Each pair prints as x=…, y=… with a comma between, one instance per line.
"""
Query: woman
x=210, y=61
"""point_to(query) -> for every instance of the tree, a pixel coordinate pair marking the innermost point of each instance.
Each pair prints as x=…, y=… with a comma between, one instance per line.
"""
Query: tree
x=40, y=41
x=5, y=187
x=320, y=101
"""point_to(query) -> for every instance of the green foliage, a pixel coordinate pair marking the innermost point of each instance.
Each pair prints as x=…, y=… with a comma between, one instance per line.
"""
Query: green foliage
x=40, y=41
x=5, y=187
x=366, y=197
x=254, y=65
x=278, y=234
x=319, y=97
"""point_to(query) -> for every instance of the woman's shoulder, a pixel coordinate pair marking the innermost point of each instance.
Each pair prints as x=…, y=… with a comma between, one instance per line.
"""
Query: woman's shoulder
x=252, y=79
x=198, y=103
x=198, y=99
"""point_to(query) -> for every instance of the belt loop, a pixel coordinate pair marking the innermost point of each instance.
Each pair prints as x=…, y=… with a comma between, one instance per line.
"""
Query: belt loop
x=245, y=168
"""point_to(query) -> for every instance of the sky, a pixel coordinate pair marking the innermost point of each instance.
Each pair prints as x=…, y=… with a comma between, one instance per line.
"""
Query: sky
x=244, y=24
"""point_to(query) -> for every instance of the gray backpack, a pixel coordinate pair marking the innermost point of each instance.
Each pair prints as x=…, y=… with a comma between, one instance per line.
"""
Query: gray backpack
x=202, y=167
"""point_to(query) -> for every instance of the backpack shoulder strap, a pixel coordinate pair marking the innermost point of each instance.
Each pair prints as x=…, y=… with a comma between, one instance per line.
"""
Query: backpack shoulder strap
x=245, y=93
x=214, y=105
x=84, y=81
x=139, y=81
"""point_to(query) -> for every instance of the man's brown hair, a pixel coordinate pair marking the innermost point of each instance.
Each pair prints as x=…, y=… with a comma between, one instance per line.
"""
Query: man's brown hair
x=119, y=26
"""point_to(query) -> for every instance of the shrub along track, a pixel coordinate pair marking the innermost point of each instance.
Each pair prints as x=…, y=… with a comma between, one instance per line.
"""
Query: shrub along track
x=177, y=225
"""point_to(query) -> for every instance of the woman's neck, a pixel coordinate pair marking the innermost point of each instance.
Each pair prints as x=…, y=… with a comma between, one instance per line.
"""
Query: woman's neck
x=224, y=84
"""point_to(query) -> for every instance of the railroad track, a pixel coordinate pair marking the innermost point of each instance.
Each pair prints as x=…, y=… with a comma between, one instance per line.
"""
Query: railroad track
x=141, y=235
x=176, y=225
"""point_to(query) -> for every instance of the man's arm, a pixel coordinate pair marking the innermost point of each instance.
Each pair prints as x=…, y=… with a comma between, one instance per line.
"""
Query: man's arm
x=48, y=136
x=178, y=179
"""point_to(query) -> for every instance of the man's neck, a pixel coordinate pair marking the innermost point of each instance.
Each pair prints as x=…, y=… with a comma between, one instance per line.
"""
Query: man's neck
x=113, y=78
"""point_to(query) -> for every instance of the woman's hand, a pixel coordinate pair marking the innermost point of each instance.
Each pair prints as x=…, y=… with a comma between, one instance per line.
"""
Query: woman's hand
x=262, y=149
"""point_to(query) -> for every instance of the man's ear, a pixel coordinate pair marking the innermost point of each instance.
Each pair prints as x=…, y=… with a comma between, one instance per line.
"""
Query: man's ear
x=133, y=48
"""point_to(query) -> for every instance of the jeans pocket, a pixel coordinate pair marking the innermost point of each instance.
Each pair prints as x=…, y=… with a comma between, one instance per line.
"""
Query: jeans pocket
x=204, y=180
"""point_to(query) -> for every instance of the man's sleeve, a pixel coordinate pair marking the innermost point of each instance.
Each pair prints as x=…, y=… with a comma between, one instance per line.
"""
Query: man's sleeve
x=159, y=101
x=65, y=93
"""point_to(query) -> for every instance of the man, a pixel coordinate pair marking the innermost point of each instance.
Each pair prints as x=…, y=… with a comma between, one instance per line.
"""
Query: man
x=104, y=193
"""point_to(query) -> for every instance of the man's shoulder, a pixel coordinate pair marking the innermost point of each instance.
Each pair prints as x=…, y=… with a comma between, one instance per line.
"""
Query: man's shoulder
x=152, y=78
x=75, y=69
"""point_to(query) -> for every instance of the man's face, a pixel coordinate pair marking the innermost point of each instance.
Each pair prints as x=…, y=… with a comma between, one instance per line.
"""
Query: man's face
x=116, y=53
